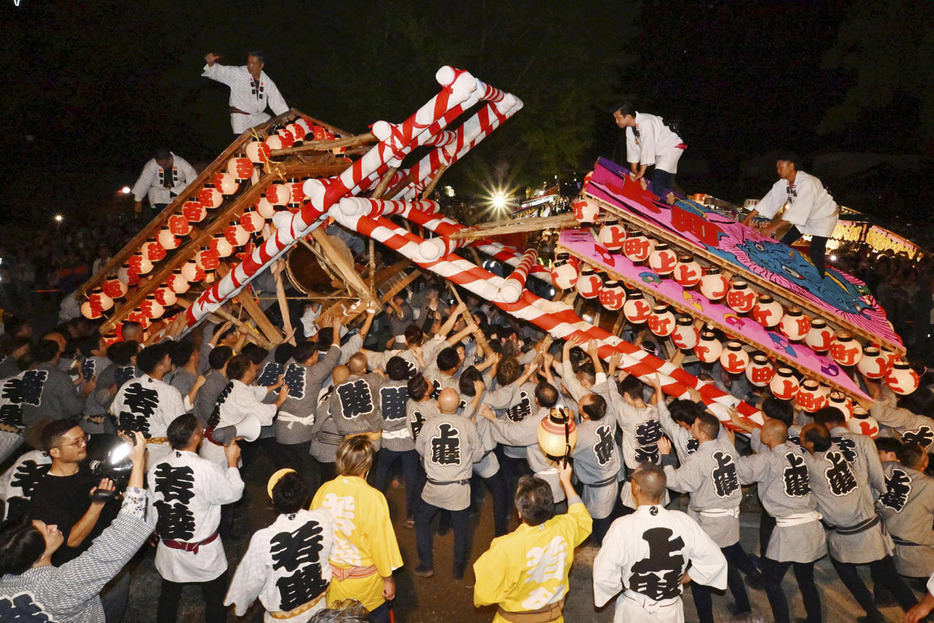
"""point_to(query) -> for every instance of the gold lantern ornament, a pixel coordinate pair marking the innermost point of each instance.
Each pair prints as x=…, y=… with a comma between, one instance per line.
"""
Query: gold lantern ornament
x=557, y=434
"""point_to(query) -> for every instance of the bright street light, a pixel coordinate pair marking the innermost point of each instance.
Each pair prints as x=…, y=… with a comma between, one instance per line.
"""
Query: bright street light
x=59, y=218
x=499, y=200
x=126, y=190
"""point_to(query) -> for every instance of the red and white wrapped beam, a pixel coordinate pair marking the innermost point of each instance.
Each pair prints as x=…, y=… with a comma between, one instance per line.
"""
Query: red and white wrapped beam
x=514, y=284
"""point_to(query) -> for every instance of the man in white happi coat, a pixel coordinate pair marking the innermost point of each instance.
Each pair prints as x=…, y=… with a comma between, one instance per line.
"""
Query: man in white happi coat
x=188, y=492
x=251, y=90
x=650, y=141
x=148, y=404
x=646, y=556
x=164, y=177
x=286, y=564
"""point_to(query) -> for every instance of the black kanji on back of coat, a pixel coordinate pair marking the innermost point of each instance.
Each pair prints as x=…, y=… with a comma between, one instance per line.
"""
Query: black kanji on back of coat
x=521, y=409
x=847, y=447
x=26, y=478
x=299, y=552
x=270, y=374
x=176, y=484
x=446, y=448
x=33, y=382
x=392, y=401
x=897, y=490
x=123, y=374
x=22, y=609
x=215, y=418
x=603, y=449
x=795, y=476
x=140, y=404
x=840, y=477
x=295, y=379
x=355, y=398
x=647, y=435
x=11, y=411
x=417, y=423
x=924, y=437
x=659, y=576
x=725, y=479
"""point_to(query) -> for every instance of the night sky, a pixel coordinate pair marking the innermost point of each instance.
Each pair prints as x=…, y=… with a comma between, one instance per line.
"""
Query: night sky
x=92, y=88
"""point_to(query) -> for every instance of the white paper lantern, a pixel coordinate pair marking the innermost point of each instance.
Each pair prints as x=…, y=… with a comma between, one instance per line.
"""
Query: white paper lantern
x=863, y=425
x=873, y=364
x=100, y=299
x=564, y=271
x=820, y=336
x=257, y=151
x=794, y=324
x=165, y=296
x=178, y=283
x=784, y=385
x=845, y=350
x=586, y=210
x=839, y=401
x=733, y=358
x=588, y=283
x=191, y=272
x=662, y=321
x=240, y=167
x=809, y=398
x=760, y=372
x=708, y=348
x=236, y=235
x=714, y=285
x=612, y=235
x=637, y=248
x=688, y=272
x=902, y=379
x=636, y=309
x=278, y=194
x=167, y=239
x=767, y=311
x=226, y=183
x=115, y=287
x=152, y=251
x=662, y=259
x=741, y=298
x=221, y=246
x=685, y=335
x=613, y=295
x=210, y=197
x=151, y=308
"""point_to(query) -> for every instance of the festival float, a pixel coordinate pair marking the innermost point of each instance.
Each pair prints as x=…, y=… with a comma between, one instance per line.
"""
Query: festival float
x=687, y=271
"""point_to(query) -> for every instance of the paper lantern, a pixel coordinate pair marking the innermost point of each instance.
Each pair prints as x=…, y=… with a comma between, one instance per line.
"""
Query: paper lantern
x=586, y=210
x=662, y=321
x=891, y=355
x=564, y=271
x=873, y=364
x=708, y=348
x=153, y=251
x=863, y=425
x=588, y=283
x=191, y=272
x=137, y=316
x=297, y=130
x=685, y=335
x=688, y=272
x=767, y=311
x=557, y=434
x=784, y=385
x=127, y=275
x=139, y=264
x=167, y=239
x=274, y=142
x=177, y=282
x=287, y=138
x=820, y=336
x=733, y=358
x=794, y=324
x=240, y=167
x=91, y=312
x=165, y=296
x=251, y=221
x=210, y=197
x=179, y=224
x=320, y=133
x=221, y=246
x=236, y=235
x=265, y=209
x=226, y=183
x=838, y=400
x=151, y=308
x=901, y=379
x=278, y=194
x=257, y=151
x=809, y=398
x=636, y=309
x=194, y=212
x=612, y=235
x=845, y=350
x=207, y=259
x=662, y=259
x=741, y=298
x=760, y=372
x=100, y=299
x=297, y=194
x=638, y=248
x=613, y=295
x=114, y=287
x=714, y=285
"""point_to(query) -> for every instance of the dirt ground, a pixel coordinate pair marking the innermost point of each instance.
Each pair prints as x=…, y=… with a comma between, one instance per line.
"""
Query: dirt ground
x=441, y=599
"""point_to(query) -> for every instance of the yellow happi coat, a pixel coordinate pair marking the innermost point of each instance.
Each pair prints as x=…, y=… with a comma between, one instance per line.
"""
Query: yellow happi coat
x=528, y=569
x=363, y=537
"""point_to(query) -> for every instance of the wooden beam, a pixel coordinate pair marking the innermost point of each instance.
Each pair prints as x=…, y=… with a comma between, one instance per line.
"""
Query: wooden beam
x=434, y=181
x=269, y=330
x=384, y=183
x=509, y=226
x=350, y=141
x=343, y=267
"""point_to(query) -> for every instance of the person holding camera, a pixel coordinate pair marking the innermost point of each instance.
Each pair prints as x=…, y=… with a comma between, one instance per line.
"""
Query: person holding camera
x=33, y=588
x=188, y=493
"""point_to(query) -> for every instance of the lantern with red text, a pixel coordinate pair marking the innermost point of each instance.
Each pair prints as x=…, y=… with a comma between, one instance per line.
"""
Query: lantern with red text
x=902, y=379
x=139, y=264
x=613, y=295
x=809, y=398
x=251, y=221
x=873, y=364
x=167, y=239
x=662, y=259
x=127, y=275
x=226, y=183
x=845, y=350
x=820, y=336
x=178, y=283
x=662, y=321
x=838, y=400
x=767, y=311
x=278, y=194
x=191, y=272
x=297, y=193
x=165, y=296
x=612, y=235
x=137, y=316
x=564, y=271
x=685, y=335
x=265, y=209
x=794, y=324
x=221, y=246
x=275, y=142
x=760, y=372
x=210, y=197
x=258, y=152
x=240, y=167
x=297, y=130
x=784, y=385
x=708, y=348
x=588, y=283
x=733, y=358
x=636, y=309
x=207, y=259
x=863, y=424
x=557, y=434
x=194, y=212
x=236, y=235
x=638, y=248
x=114, y=287
x=741, y=298
x=586, y=210
x=90, y=312
x=151, y=308
x=152, y=251
x=288, y=139
x=688, y=272
x=99, y=298
x=890, y=355
x=714, y=285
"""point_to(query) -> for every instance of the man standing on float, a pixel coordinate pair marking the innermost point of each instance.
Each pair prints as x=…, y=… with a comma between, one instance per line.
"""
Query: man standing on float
x=251, y=90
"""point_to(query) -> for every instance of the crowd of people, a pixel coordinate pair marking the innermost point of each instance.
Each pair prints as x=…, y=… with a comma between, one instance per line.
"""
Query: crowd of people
x=447, y=400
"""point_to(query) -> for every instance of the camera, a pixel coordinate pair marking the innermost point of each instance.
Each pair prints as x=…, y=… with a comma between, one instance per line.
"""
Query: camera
x=116, y=466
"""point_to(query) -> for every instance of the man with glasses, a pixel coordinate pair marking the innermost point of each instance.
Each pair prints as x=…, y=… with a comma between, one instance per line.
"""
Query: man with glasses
x=809, y=208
